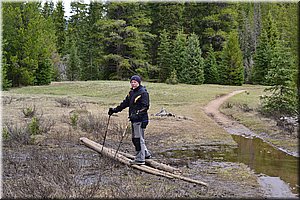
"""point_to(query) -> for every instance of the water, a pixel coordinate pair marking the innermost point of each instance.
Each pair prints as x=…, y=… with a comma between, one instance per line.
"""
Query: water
x=272, y=164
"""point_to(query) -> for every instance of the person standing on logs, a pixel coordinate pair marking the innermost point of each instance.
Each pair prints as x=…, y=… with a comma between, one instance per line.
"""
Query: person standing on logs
x=138, y=102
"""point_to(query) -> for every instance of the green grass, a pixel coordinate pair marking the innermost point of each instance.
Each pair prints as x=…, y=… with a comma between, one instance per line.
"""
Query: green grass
x=112, y=92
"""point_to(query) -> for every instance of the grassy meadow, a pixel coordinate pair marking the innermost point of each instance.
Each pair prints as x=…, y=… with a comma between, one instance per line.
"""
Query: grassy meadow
x=111, y=93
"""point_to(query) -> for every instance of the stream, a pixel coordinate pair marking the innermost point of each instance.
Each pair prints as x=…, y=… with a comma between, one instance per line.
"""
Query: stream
x=277, y=171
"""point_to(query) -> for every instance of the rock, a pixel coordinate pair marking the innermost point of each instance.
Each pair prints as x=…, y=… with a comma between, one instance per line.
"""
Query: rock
x=163, y=113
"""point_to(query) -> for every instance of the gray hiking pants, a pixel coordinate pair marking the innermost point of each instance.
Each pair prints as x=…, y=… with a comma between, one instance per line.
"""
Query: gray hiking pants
x=139, y=141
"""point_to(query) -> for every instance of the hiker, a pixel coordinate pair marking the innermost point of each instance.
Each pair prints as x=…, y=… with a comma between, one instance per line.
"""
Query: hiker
x=138, y=102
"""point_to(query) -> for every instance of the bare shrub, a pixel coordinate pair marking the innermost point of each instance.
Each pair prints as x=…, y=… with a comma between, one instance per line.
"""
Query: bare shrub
x=228, y=105
x=59, y=173
x=63, y=102
x=245, y=107
x=96, y=125
x=288, y=124
x=7, y=100
x=15, y=134
x=25, y=133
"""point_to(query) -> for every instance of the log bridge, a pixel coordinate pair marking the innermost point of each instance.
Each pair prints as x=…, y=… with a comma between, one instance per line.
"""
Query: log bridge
x=151, y=166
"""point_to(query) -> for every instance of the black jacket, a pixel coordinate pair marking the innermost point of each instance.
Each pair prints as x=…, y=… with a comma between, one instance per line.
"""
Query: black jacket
x=138, y=102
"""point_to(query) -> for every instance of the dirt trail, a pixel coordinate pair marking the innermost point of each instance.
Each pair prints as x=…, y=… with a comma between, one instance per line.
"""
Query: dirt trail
x=212, y=109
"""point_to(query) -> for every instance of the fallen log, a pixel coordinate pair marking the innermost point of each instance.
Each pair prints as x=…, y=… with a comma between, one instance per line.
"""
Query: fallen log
x=123, y=159
x=155, y=164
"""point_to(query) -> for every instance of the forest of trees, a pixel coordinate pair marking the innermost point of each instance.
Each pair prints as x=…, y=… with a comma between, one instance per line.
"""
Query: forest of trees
x=173, y=42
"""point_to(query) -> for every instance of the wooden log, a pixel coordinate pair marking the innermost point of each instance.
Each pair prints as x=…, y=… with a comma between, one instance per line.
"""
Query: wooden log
x=111, y=152
x=123, y=159
x=155, y=164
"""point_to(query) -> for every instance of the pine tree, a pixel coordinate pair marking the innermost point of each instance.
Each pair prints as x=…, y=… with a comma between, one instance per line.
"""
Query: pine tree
x=283, y=98
x=217, y=24
x=30, y=41
x=91, y=50
x=44, y=72
x=165, y=17
x=74, y=62
x=262, y=60
x=193, y=64
x=232, y=62
x=6, y=84
x=125, y=39
x=47, y=10
x=164, y=56
x=211, y=74
x=60, y=27
x=178, y=53
x=249, y=29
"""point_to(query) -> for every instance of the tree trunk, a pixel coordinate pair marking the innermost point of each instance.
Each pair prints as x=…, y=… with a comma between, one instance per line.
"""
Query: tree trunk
x=163, y=171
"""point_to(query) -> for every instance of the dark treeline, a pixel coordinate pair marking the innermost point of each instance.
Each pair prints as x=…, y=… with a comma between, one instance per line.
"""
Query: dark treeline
x=175, y=42
x=193, y=42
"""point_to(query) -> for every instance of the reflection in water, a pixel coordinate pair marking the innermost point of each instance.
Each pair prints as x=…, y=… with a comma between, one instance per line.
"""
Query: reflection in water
x=258, y=155
x=266, y=159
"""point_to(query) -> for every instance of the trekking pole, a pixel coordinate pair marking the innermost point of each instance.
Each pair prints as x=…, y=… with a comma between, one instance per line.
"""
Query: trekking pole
x=105, y=133
x=121, y=139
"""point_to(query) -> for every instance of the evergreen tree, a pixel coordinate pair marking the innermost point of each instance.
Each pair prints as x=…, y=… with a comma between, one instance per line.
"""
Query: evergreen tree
x=30, y=41
x=218, y=24
x=110, y=34
x=74, y=62
x=44, y=72
x=6, y=84
x=47, y=10
x=249, y=29
x=126, y=39
x=165, y=16
x=211, y=67
x=232, y=62
x=173, y=78
x=60, y=27
x=283, y=98
x=91, y=51
x=193, y=64
x=164, y=56
x=178, y=53
x=262, y=60
x=271, y=29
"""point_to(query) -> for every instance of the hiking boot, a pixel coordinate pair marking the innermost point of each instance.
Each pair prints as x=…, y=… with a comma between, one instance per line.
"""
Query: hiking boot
x=136, y=162
x=148, y=154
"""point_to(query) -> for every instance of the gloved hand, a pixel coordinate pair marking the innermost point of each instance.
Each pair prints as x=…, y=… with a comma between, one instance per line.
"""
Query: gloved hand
x=111, y=111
